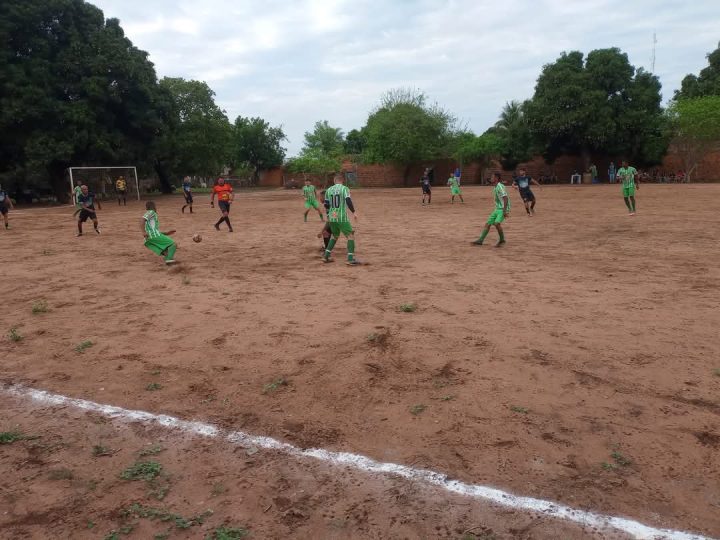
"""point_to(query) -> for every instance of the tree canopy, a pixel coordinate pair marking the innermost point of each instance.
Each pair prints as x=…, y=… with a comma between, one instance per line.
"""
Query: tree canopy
x=257, y=144
x=355, y=142
x=324, y=138
x=406, y=129
x=707, y=83
x=315, y=162
x=73, y=91
x=599, y=104
x=513, y=132
x=696, y=129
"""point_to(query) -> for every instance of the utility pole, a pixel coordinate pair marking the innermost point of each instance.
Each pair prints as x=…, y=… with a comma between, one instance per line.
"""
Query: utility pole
x=652, y=69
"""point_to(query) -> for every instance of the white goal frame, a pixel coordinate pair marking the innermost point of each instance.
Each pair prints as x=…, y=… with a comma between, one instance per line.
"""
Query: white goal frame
x=134, y=170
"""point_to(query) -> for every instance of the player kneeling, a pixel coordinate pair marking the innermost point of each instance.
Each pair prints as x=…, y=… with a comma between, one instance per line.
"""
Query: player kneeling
x=156, y=241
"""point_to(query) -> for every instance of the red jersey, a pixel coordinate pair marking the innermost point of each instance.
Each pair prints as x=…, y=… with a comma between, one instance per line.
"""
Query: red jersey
x=223, y=192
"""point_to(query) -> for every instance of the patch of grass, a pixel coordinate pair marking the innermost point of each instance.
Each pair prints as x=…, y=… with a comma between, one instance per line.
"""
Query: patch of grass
x=620, y=460
x=90, y=524
x=447, y=398
x=14, y=335
x=61, y=474
x=153, y=386
x=9, y=437
x=100, y=450
x=39, y=307
x=218, y=489
x=408, y=308
x=228, y=533
x=83, y=345
x=418, y=409
x=112, y=535
x=153, y=450
x=142, y=470
x=521, y=410
x=155, y=372
x=159, y=492
x=607, y=466
x=161, y=536
x=147, y=512
x=186, y=280
x=275, y=385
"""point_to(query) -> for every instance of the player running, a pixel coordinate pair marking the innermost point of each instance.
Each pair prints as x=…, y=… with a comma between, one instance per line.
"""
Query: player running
x=225, y=197
x=158, y=242
x=626, y=174
x=337, y=203
x=121, y=189
x=522, y=184
x=5, y=205
x=426, y=183
x=454, y=183
x=310, y=194
x=187, y=192
x=87, y=209
x=502, y=211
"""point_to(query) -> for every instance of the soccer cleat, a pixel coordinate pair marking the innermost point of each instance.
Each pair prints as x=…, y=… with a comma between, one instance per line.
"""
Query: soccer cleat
x=477, y=243
x=170, y=261
x=79, y=234
x=230, y=229
x=500, y=243
x=354, y=262
x=182, y=209
x=217, y=227
x=97, y=231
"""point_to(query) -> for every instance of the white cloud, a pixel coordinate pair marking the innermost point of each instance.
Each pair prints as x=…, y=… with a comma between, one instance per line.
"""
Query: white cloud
x=294, y=63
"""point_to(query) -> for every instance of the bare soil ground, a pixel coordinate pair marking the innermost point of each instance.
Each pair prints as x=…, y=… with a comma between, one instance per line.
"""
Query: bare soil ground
x=578, y=364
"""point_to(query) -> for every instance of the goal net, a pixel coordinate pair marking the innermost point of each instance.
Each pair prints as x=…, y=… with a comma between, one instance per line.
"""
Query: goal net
x=104, y=181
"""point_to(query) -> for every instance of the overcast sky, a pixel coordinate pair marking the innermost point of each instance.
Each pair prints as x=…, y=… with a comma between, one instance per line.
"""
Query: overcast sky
x=296, y=62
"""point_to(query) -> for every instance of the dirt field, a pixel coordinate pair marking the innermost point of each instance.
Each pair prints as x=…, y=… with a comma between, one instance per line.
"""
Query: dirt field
x=577, y=364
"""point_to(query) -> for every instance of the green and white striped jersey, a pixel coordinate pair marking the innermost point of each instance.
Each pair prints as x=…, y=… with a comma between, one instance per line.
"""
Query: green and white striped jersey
x=309, y=192
x=499, y=192
x=335, y=197
x=152, y=224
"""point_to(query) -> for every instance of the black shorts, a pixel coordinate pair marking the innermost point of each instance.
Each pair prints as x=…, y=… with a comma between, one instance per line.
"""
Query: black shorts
x=122, y=192
x=188, y=197
x=527, y=194
x=426, y=188
x=3, y=209
x=224, y=206
x=86, y=214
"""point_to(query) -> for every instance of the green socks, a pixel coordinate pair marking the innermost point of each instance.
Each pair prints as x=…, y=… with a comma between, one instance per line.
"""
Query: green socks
x=633, y=205
x=305, y=216
x=483, y=235
x=627, y=203
x=502, y=236
x=330, y=246
x=171, y=252
x=351, y=250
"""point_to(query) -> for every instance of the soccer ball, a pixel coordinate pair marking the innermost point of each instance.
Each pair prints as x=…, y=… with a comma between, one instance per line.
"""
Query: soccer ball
x=197, y=237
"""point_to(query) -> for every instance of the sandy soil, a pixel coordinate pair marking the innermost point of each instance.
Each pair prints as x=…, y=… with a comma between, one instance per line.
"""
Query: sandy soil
x=577, y=364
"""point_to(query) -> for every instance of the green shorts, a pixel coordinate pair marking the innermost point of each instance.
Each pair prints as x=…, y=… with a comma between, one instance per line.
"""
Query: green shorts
x=497, y=217
x=344, y=227
x=312, y=204
x=629, y=191
x=159, y=244
x=455, y=191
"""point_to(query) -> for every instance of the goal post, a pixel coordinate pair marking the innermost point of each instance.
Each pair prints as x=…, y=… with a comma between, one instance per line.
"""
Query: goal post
x=102, y=179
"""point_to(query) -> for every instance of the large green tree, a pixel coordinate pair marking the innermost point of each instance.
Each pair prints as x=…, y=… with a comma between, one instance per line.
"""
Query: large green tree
x=315, y=162
x=598, y=104
x=355, y=142
x=696, y=129
x=406, y=129
x=324, y=138
x=256, y=144
x=198, y=136
x=513, y=131
x=73, y=91
x=707, y=83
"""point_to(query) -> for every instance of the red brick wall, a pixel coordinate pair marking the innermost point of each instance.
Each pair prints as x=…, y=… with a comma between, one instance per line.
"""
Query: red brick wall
x=271, y=177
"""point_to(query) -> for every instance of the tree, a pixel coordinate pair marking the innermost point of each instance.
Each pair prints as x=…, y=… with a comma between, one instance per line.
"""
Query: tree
x=355, y=142
x=705, y=84
x=73, y=91
x=257, y=144
x=325, y=138
x=315, y=162
x=404, y=129
x=599, y=104
x=513, y=131
x=198, y=135
x=483, y=149
x=696, y=129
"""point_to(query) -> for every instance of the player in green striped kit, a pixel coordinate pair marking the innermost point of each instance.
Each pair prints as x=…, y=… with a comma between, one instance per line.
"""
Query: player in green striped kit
x=626, y=174
x=310, y=194
x=156, y=241
x=502, y=211
x=454, y=184
x=337, y=204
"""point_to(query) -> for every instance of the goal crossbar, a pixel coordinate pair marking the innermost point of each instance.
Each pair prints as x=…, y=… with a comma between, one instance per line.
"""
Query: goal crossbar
x=134, y=170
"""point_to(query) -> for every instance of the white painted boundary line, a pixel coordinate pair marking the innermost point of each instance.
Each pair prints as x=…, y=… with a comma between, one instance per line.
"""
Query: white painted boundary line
x=365, y=464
